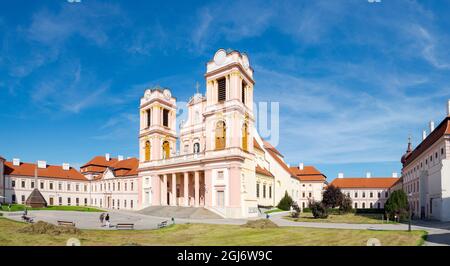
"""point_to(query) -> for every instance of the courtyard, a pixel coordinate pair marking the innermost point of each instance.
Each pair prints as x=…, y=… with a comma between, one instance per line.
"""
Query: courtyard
x=211, y=234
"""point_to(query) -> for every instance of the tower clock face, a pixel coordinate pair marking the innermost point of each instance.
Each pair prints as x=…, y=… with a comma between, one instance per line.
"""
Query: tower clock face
x=167, y=94
x=219, y=57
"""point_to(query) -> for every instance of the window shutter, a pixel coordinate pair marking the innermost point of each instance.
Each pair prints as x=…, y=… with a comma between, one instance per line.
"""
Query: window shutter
x=221, y=96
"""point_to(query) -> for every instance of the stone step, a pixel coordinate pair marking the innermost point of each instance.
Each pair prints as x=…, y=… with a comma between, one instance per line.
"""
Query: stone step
x=180, y=212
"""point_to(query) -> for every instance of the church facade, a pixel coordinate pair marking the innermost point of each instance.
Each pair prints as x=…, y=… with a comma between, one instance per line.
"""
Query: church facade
x=216, y=159
x=222, y=163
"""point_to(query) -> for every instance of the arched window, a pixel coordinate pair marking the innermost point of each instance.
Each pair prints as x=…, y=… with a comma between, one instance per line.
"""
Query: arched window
x=244, y=137
x=166, y=150
x=221, y=133
x=147, y=150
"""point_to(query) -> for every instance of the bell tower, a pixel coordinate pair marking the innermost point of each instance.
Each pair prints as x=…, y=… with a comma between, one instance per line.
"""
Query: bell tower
x=229, y=101
x=157, y=134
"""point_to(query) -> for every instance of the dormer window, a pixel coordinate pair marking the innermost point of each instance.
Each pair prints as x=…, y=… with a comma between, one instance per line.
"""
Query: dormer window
x=221, y=90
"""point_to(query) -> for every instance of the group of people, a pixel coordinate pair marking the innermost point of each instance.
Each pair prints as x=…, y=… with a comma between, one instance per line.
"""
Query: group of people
x=104, y=220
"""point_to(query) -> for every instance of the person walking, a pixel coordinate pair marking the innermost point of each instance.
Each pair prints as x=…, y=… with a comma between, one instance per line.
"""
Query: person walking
x=107, y=220
x=102, y=217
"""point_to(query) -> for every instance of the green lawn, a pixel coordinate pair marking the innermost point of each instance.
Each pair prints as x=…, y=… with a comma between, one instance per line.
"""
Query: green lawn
x=19, y=207
x=209, y=234
x=349, y=218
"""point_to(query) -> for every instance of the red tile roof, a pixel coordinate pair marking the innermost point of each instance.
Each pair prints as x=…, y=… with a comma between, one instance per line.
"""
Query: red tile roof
x=256, y=145
x=438, y=132
x=100, y=161
x=309, y=173
x=123, y=168
x=263, y=171
x=280, y=161
x=269, y=146
x=364, y=182
x=51, y=171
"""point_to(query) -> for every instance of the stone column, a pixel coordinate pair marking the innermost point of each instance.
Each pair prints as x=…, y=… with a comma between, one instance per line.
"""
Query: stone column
x=186, y=189
x=197, y=188
x=164, y=191
x=174, y=190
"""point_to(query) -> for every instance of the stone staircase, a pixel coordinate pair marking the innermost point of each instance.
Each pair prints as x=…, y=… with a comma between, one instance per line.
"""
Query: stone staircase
x=180, y=212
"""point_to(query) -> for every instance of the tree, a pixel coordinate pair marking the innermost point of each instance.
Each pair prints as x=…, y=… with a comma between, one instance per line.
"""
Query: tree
x=285, y=203
x=397, y=204
x=332, y=197
x=346, y=204
x=318, y=209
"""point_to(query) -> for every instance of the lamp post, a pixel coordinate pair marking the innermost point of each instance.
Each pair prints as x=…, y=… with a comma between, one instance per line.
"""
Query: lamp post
x=409, y=212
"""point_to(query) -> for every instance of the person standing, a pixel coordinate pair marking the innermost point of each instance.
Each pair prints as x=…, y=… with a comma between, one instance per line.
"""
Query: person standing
x=107, y=220
x=102, y=217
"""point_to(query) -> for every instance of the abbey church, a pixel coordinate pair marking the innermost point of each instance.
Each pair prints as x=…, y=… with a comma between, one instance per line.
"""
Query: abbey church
x=216, y=160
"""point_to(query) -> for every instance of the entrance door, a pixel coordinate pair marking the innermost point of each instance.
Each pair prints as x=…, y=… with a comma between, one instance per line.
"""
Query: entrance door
x=220, y=199
x=51, y=201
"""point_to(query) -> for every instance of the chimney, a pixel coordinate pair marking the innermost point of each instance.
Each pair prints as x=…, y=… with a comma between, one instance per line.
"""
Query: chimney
x=42, y=164
x=431, y=126
x=448, y=108
x=424, y=135
x=301, y=166
x=368, y=175
x=120, y=157
x=16, y=162
x=394, y=174
x=66, y=166
x=340, y=175
x=107, y=157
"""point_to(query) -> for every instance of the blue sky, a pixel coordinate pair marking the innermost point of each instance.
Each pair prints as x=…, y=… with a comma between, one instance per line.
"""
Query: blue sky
x=353, y=78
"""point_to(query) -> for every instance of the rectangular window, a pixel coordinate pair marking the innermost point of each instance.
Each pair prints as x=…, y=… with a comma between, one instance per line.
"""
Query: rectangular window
x=77, y=187
x=59, y=186
x=221, y=89
x=42, y=185
x=23, y=184
x=85, y=201
x=51, y=186
x=68, y=187
x=149, y=118
x=68, y=201
x=13, y=183
x=23, y=199
x=60, y=201
x=77, y=201
x=371, y=194
x=131, y=204
x=356, y=194
x=243, y=91
x=132, y=186
x=270, y=192
x=220, y=175
x=264, y=191
x=32, y=184
x=165, y=117
x=257, y=190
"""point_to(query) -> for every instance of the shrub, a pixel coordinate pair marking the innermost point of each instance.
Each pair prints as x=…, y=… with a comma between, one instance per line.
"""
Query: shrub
x=318, y=210
x=296, y=210
x=346, y=205
x=285, y=203
x=50, y=229
x=332, y=197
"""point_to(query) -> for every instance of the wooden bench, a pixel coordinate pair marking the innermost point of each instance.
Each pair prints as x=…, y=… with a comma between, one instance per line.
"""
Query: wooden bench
x=66, y=223
x=125, y=226
x=162, y=224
